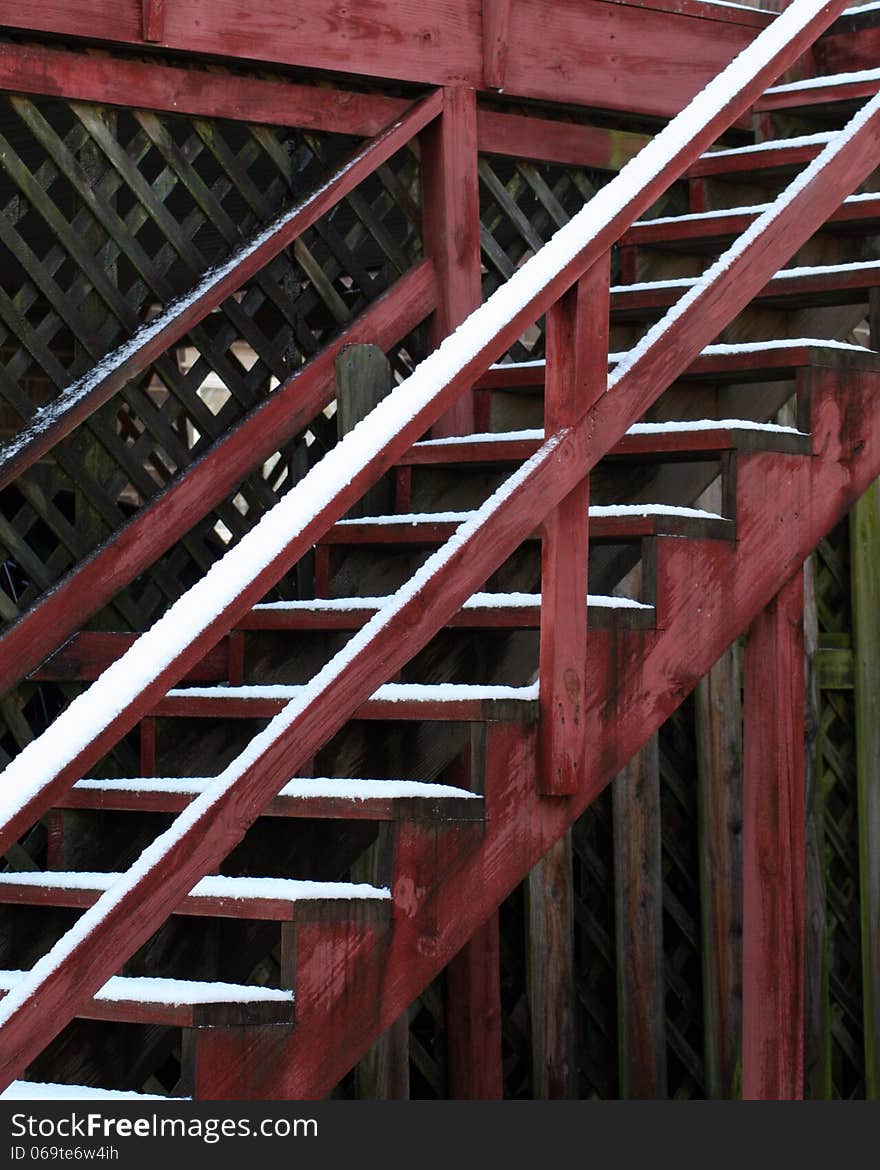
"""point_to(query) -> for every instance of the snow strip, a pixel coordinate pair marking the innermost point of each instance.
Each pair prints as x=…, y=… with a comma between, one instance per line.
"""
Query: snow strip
x=831, y=79
x=48, y=1091
x=478, y=601
x=389, y=693
x=43, y=758
x=535, y=433
x=757, y=209
x=777, y=144
x=141, y=989
x=309, y=788
x=710, y=351
x=412, y=518
x=652, y=510
x=693, y=282
x=711, y=424
x=215, y=886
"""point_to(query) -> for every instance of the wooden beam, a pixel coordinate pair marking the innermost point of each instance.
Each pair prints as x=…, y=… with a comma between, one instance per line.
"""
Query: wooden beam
x=773, y=850
x=153, y=20
x=567, y=143
x=451, y=225
x=496, y=32
x=194, y=91
x=577, y=374
x=638, y=904
x=817, y=998
x=864, y=539
x=591, y=54
x=719, y=761
x=551, y=982
x=473, y=1017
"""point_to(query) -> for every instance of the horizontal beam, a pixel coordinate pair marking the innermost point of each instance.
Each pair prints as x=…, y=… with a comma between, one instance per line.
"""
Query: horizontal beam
x=172, y=89
x=544, y=140
x=588, y=53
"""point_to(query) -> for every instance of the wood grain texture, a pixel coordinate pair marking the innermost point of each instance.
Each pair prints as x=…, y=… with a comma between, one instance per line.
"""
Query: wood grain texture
x=473, y=1017
x=773, y=850
x=638, y=903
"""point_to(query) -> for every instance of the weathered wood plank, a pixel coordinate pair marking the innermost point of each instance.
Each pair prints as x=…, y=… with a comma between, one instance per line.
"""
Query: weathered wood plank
x=451, y=225
x=864, y=530
x=773, y=850
x=638, y=905
x=496, y=35
x=719, y=759
x=551, y=982
x=473, y=1017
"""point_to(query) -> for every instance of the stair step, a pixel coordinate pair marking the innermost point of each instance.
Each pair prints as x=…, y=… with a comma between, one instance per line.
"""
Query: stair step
x=271, y=899
x=824, y=284
x=708, y=230
x=483, y=610
x=687, y=439
x=52, y=1091
x=314, y=798
x=780, y=154
x=179, y=1003
x=394, y=701
x=740, y=362
x=815, y=91
x=614, y=523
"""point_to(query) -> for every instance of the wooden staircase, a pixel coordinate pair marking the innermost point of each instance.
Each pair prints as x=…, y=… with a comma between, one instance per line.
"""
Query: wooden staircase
x=335, y=793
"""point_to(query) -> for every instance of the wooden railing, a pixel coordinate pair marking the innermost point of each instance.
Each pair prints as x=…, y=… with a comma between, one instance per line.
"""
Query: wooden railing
x=585, y=418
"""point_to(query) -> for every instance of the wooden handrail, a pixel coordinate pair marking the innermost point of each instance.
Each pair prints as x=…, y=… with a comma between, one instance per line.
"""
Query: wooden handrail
x=83, y=397
x=142, y=898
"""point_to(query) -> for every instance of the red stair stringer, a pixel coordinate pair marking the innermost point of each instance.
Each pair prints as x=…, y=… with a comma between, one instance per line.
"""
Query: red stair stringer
x=709, y=592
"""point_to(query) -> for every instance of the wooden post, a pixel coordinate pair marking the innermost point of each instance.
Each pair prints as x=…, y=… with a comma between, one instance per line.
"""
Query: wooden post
x=864, y=534
x=577, y=374
x=496, y=24
x=817, y=1002
x=718, y=701
x=473, y=1017
x=363, y=379
x=383, y=1074
x=451, y=225
x=551, y=986
x=773, y=850
x=638, y=882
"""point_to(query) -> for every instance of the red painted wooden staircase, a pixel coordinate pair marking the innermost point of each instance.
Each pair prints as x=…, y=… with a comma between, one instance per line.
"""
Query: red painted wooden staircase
x=492, y=534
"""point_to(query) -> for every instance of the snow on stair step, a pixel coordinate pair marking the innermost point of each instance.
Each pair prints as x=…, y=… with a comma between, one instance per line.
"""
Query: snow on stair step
x=835, y=87
x=308, y=797
x=483, y=610
x=180, y=1003
x=51, y=1091
x=273, y=899
x=397, y=701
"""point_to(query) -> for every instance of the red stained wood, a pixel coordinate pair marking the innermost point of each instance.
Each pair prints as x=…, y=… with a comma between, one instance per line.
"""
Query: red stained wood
x=569, y=52
x=242, y=707
x=771, y=158
x=862, y=216
x=87, y=654
x=577, y=374
x=473, y=1017
x=197, y=92
x=153, y=19
x=230, y=1063
x=37, y=440
x=567, y=143
x=852, y=43
x=819, y=95
x=451, y=224
x=553, y=474
x=773, y=850
x=496, y=24
x=291, y=408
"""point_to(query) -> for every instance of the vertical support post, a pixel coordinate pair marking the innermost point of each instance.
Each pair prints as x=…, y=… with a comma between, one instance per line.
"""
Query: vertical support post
x=551, y=973
x=473, y=1017
x=451, y=228
x=496, y=24
x=638, y=906
x=773, y=850
x=383, y=1074
x=577, y=374
x=363, y=379
x=817, y=1000
x=719, y=764
x=864, y=535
